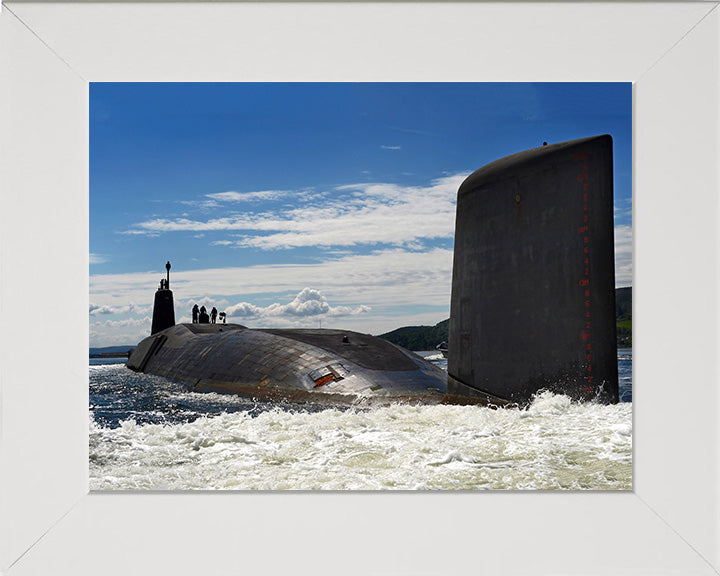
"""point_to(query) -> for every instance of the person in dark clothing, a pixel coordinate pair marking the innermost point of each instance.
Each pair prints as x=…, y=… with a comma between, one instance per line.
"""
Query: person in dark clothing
x=195, y=314
x=204, y=318
x=213, y=315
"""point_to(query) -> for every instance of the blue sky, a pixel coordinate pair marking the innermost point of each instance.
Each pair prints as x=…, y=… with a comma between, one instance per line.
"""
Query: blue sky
x=310, y=205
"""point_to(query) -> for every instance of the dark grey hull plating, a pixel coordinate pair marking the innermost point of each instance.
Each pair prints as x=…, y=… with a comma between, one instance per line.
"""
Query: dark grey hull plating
x=315, y=366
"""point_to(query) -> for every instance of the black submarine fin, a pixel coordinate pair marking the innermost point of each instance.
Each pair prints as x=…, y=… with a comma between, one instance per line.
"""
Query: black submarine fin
x=533, y=289
x=164, y=307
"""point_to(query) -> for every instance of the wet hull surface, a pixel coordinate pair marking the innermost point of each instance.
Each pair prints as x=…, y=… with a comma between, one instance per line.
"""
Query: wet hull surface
x=316, y=366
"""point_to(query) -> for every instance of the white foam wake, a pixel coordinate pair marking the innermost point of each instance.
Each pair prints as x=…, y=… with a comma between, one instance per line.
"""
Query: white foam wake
x=555, y=444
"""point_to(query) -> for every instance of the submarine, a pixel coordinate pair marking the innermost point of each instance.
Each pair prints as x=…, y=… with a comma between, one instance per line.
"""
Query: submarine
x=316, y=366
x=532, y=306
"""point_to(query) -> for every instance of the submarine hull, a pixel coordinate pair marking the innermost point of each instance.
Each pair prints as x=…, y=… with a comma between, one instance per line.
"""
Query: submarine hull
x=315, y=366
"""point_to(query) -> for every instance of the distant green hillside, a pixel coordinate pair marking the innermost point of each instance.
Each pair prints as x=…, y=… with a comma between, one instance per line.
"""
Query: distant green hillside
x=428, y=337
x=623, y=314
x=419, y=337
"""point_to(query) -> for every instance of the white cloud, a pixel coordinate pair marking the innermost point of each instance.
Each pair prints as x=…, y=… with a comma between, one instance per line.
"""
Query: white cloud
x=358, y=214
x=340, y=311
x=131, y=308
x=232, y=196
x=206, y=301
x=141, y=232
x=119, y=332
x=97, y=258
x=308, y=303
x=623, y=256
x=381, y=280
x=384, y=147
x=204, y=204
x=243, y=310
x=95, y=309
x=128, y=322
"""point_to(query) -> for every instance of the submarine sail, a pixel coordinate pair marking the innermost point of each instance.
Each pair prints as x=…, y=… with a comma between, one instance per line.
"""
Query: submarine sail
x=533, y=288
x=164, y=307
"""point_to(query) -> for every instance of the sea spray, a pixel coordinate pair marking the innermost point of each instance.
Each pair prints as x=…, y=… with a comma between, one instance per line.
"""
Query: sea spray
x=553, y=444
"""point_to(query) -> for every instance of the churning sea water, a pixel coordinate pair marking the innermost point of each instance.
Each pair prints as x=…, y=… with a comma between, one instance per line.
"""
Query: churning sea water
x=149, y=433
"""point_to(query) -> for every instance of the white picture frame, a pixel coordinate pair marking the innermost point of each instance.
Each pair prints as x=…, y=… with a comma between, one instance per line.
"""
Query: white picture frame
x=49, y=523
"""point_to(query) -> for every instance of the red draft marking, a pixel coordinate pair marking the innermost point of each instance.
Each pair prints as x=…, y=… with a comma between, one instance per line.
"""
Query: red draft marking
x=584, y=283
